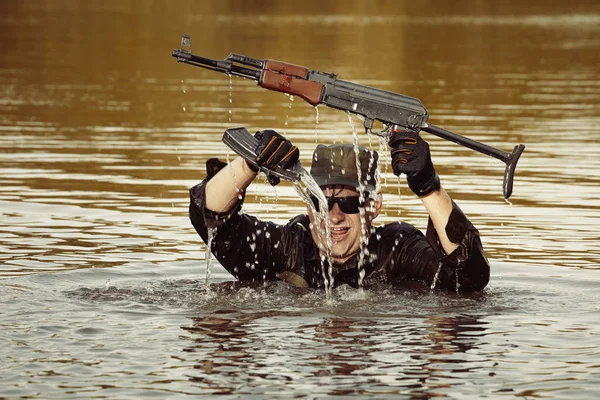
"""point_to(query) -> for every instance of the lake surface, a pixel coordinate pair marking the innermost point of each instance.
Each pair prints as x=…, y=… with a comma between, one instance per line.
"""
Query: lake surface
x=103, y=287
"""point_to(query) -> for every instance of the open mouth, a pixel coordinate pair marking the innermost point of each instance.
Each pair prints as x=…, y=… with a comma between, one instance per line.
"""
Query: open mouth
x=338, y=233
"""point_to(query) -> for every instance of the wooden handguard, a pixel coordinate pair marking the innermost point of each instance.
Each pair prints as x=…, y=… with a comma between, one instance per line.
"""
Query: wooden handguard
x=286, y=69
x=308, y=90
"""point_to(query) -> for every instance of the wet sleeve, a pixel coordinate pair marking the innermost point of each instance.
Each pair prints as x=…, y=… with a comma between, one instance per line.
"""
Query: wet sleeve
x=466, y=269
x=245, y=246
x=422, y=259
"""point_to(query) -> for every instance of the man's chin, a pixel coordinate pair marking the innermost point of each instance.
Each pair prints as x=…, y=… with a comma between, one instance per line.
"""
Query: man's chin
x=339, y=252
x=341, y=256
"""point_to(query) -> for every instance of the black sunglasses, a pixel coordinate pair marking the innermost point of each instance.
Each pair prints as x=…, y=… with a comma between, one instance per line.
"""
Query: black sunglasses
x=348, y=205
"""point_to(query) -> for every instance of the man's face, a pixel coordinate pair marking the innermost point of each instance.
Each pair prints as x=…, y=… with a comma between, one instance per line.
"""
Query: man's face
x=345, y=229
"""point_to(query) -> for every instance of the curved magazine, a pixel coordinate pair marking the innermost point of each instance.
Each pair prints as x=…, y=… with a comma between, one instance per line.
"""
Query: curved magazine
x=244, y=144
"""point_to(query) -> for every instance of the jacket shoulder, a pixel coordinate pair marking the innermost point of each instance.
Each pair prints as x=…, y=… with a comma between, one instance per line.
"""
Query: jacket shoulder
x=397, y=229
x=300, y=223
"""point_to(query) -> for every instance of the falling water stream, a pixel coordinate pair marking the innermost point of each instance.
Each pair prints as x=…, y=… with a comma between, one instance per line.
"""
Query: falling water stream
x=321, y=219
x=211, y=235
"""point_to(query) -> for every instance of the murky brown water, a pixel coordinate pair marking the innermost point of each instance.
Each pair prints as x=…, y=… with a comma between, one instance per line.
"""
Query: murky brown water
x=103, y=133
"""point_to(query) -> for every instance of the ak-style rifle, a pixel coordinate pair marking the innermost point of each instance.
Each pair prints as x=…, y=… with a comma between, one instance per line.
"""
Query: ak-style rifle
x=391, y=109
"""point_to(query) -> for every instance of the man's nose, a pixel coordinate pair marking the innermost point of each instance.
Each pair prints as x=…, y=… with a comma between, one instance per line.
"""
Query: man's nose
x=336, y=214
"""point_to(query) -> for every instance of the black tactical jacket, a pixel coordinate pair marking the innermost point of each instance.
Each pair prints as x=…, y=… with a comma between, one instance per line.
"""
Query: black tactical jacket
x=398, y=253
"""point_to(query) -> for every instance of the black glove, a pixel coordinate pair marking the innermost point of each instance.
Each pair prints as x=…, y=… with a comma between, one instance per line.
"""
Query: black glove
x=410, y=156
x=275, y=151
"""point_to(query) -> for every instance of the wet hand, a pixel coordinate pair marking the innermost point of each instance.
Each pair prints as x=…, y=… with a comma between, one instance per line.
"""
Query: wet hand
x=275, y=151
x=411, y=156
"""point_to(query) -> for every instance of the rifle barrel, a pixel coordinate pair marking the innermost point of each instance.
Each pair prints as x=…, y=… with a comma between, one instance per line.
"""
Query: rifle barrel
x=226, y=67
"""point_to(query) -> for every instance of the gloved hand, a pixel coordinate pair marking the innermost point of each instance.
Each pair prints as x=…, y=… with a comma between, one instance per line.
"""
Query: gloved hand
x=274, y=151
x=410, y=156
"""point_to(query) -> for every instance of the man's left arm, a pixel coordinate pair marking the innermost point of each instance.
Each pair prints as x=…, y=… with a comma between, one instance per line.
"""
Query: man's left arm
x=453, y=237
x=411, y=156
x=439, y=207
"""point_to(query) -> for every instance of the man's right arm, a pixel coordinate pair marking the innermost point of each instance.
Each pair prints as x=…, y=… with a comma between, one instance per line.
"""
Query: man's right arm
x=247, y=247
x=225, y=188
x=244, y=245
x=228, y=185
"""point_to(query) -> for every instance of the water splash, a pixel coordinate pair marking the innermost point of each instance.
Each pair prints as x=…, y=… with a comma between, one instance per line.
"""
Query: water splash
x=287, y=114
x=229, y=112
x=211, y=234
x=316, y=122
x=184, y=92
x=364, y=234
x=435, y=277
x=233, y=175
x=456, y=281
x=384, y=157
x=399, y=195
x=321, y=218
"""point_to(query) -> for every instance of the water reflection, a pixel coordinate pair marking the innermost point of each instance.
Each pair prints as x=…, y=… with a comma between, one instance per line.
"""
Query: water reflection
x=249, y=352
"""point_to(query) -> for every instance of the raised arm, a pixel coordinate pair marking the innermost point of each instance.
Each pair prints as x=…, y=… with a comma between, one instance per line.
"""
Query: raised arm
x=224, y=189
x=439, y=207
x=411, y=156
x=450, y=233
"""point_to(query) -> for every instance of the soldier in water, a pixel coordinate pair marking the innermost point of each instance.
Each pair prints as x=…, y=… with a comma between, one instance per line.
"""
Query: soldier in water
x=450, y=256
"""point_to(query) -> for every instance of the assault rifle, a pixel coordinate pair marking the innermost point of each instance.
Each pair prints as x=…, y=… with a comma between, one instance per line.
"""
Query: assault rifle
x=370, y=104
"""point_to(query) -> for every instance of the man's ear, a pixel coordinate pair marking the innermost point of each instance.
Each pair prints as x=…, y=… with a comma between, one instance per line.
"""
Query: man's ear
x=378, y=204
